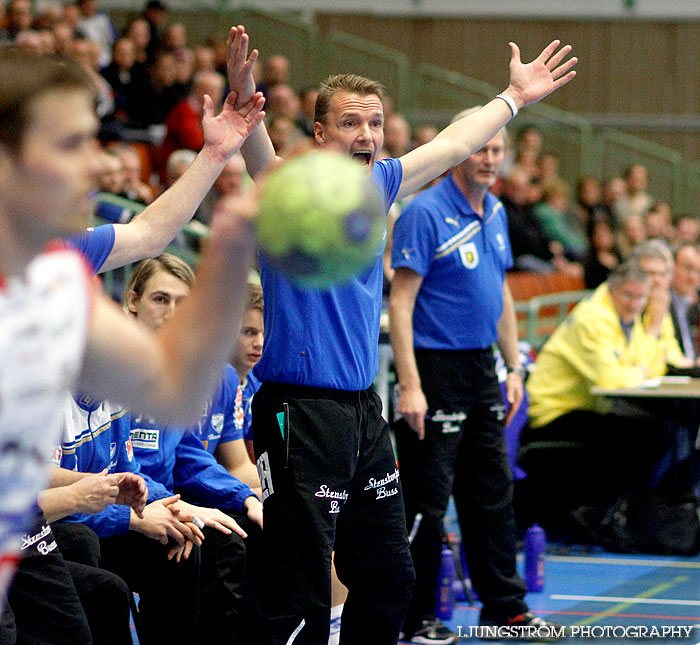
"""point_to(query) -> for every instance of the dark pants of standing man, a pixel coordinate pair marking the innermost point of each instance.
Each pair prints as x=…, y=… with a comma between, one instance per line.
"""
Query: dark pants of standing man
x=464, y=454
x=329, y=481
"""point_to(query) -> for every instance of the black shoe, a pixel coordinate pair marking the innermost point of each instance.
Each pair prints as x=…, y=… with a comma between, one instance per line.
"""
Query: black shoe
x=523, y=627
x=431, y=632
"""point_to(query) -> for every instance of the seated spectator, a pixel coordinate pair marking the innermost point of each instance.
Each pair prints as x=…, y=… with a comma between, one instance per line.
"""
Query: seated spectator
x=161, y=94
x=658, y=222
x=603, y=256
x=138, y=32
x=613, y=189
x=97, y=26
x=155, y=14
x=308, y=110
x=30, y=41
x=184, y=61
x=178, y=162
x=397, y=135
x=685, y=309
x=184, y=123
x=48, y=41
x=633, y=231
x=424, y=133
x=86, y=53
x=282, y=100
x=554, y=218
x=126, y=77
x=64, y=35
x=284, y=135
x=228, y=183
x=548, y=167
x=636, y=200
x=655, y=259
x=133, y=187
x=686, y=228
x=274, y=70
x=175, y=37
x=530, y=247
x=204, y=59
x=18, y=18
x=602, y=343
x=589, y=202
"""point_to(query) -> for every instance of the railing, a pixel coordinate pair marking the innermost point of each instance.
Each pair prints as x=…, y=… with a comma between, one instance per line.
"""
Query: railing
x=431, y=93
x=539, y=316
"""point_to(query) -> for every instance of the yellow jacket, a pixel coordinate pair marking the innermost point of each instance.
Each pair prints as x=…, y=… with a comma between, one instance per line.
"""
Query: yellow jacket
x=590, y=349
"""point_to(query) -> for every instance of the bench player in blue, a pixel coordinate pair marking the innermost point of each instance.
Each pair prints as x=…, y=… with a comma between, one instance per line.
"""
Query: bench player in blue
x=327, y=469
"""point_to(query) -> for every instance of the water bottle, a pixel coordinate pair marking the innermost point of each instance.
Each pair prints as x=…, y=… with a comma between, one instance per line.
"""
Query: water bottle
x=535, y=545
x=445, y=593
x=462, y=585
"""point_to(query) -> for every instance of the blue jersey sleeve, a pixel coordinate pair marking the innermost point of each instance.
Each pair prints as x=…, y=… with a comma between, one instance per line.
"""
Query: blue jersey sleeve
x=204, y=480
x=114, y=520
x=414, y=239
x=387, y=175
x=95, y=244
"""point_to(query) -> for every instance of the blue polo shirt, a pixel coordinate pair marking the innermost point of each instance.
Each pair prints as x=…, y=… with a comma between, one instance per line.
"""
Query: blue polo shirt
x=222, y=417
x=326, y=338
x=462, y=258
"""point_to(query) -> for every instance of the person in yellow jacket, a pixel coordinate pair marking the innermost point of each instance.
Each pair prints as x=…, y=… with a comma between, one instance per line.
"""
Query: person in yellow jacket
x=602, y=343
x=656, y=260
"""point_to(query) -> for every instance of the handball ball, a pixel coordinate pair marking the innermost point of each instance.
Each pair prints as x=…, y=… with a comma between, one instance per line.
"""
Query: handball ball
x=321, y=219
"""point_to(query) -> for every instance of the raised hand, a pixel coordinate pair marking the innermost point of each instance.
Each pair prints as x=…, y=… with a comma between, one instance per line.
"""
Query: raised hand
x=533, y=81
x=239, y=65
x=225, y=133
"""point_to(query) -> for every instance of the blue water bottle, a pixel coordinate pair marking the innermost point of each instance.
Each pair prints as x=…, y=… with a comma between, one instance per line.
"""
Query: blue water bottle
x=445, y=593
x=535, y=545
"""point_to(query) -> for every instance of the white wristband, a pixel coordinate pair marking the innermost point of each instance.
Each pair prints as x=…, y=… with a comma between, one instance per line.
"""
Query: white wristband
x=510, y=102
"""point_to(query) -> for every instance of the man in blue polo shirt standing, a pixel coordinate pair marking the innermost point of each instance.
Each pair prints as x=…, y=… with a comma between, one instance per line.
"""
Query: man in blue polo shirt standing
x=449, y=304
x=327, y=469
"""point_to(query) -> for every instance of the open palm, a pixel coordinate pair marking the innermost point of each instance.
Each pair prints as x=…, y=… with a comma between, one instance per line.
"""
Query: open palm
x=226, y=131
x=535, y=80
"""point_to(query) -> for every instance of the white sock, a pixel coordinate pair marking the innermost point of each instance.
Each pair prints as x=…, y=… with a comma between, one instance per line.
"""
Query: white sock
x=336, y=612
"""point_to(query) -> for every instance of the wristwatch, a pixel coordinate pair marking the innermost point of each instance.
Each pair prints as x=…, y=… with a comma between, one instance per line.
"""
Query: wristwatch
x=520, y=371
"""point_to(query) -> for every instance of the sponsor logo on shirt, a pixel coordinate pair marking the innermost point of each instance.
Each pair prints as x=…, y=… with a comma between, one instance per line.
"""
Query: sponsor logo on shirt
x=146, y=439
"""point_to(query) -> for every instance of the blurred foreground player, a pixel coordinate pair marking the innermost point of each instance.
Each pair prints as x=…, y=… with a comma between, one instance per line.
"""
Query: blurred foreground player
x=56, y=330
x=327, y=469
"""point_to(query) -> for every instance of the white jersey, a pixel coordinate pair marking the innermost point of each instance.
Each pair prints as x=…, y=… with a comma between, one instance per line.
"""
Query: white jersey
x=43, y=328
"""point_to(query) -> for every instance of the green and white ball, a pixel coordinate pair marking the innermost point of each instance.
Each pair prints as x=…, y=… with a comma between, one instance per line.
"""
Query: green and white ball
x=321, y=219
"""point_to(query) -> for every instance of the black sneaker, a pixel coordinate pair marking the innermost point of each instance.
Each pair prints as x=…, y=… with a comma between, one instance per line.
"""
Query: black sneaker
x=431, y=632
x=523, y=627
